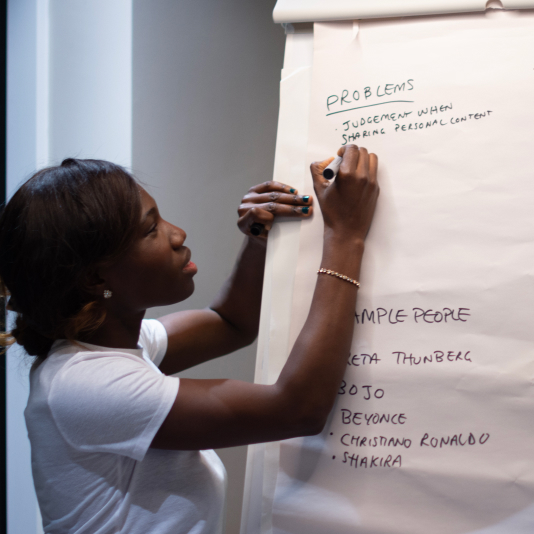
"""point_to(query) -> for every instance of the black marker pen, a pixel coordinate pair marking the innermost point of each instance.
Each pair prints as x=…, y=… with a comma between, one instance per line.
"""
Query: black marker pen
x=333, y=168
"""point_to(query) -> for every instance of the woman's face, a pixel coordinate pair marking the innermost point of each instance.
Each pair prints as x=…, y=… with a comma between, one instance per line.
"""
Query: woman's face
x=156, y=271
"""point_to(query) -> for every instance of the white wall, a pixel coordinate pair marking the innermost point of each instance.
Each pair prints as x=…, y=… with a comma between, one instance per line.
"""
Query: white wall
x=205, y=108
x=90, y=80
x=22, y=143
x=69, y=93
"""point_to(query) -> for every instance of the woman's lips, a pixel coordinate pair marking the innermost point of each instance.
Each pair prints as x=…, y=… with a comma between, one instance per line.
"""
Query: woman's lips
x=190, y=268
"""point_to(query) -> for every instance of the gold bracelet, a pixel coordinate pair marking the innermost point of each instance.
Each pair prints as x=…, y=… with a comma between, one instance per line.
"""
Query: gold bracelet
x=340, y=276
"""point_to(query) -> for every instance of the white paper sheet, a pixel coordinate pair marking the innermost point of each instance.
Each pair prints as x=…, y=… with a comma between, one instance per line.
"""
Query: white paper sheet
x=282, y=251
x=449, y=110
x=287, y=11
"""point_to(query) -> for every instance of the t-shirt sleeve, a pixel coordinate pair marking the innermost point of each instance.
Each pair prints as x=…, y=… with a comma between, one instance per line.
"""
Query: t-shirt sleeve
x=110, y=402
x=153, y=338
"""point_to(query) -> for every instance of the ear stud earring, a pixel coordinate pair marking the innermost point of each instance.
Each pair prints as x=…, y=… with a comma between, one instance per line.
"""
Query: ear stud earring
x=107, y=293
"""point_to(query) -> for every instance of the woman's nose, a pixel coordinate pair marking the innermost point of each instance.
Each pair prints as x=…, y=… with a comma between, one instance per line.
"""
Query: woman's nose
x=178, y=236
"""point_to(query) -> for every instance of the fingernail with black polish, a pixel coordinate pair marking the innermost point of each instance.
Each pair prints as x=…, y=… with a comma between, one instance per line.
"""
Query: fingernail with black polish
x=306, y=198
x=305, y=210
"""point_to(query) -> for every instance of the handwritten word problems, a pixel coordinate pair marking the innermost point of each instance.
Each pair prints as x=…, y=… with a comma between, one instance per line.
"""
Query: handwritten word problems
x=346, y=99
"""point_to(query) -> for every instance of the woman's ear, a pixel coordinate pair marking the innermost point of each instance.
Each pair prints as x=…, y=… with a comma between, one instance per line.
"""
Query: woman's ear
x=95, y=285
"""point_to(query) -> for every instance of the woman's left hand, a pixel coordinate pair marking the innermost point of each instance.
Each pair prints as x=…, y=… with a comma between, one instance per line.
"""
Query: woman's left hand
x=267, y=201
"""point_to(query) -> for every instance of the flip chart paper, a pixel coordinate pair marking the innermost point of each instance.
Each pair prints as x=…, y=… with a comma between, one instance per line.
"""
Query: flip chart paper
x=282, y=251
x=432, y=429
x=318, y=10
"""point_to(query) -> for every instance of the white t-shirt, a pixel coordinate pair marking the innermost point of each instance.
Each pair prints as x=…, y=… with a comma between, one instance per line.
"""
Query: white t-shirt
x=91, y=416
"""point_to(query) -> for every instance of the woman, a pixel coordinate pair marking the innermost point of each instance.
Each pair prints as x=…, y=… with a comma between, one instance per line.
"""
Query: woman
x=118, y=445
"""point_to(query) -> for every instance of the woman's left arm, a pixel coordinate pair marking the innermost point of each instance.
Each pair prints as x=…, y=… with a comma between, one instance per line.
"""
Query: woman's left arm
x=232, y=320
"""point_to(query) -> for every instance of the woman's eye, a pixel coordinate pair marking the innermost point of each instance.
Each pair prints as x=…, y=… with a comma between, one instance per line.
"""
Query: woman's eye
x=153, y=229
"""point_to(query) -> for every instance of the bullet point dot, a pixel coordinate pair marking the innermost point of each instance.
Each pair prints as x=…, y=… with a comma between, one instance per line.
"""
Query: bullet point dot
x=333, y=457
x=331, y=433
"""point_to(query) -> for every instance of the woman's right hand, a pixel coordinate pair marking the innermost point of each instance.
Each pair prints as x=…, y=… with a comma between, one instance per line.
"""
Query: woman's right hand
x=348, y=202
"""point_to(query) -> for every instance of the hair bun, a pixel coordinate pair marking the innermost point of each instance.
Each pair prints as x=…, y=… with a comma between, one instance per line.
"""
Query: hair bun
x=68, y=162
x=34, y=343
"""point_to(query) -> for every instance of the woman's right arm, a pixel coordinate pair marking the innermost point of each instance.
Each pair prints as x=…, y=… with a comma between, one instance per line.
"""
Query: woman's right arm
x=223, y=413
